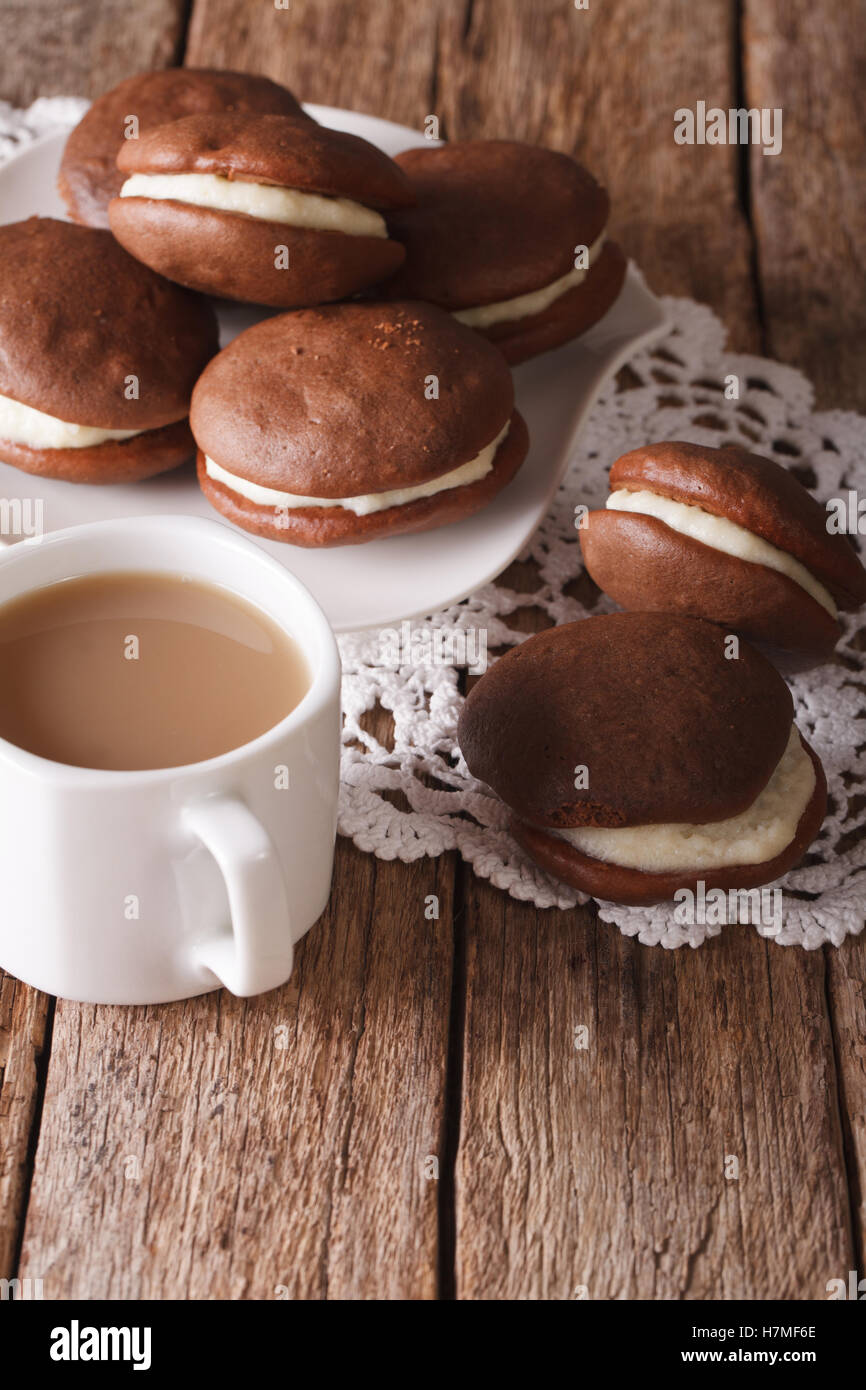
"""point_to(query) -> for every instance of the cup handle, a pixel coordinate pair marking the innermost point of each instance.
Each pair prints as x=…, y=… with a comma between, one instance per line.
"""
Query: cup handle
x=256, y=953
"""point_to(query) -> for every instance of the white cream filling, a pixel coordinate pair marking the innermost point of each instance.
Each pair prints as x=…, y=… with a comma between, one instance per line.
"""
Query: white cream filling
x=368, y=502
x=486, y=315
x=21, y=424
x=755, y=836
x=720, y=534
x=262, y=200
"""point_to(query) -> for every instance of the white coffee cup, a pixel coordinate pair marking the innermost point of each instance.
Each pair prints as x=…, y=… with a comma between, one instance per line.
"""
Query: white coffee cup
x=142, y=887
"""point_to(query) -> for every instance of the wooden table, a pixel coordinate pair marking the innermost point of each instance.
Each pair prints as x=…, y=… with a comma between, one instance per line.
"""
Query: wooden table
x=409, y=1118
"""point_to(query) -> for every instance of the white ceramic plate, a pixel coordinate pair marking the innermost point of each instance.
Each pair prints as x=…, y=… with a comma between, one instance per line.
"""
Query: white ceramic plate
x=374, y=585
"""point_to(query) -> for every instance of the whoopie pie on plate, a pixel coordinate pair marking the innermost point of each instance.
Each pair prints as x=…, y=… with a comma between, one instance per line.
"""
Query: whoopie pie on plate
x=727, y=535
x=89, y=177
x=268, y=209
x=639, y=757
x=98, y=356
x=510, y=238
x=342, y=424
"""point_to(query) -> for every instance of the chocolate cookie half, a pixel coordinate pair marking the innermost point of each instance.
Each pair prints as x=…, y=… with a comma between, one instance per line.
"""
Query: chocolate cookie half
x=638, y=759
x=89, y=177
x=266, y=209
x=98, y=356
x=726, y=535
x=347, y=423
x=511, y=239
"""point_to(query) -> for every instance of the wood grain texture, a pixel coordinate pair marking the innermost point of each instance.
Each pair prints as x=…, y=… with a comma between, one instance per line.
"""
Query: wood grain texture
x=83, y=49
x=368, y=55
x=809, y=213
x=24, y=1015
x=846, y=992
x=270, y=1148
x=600, y=1171
x=808, y=202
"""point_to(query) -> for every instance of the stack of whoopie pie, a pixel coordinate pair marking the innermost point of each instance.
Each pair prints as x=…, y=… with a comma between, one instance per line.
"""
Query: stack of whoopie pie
x=643, y=753
x=636, y=753
x=331, y=425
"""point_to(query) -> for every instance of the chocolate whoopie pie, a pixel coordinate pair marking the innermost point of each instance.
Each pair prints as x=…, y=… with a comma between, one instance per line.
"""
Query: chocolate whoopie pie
x=726, y=535
x=98, y=356
x=89, y=177
x=342, y=424
x=638, y=759
x=266, y=209
x=511, y=239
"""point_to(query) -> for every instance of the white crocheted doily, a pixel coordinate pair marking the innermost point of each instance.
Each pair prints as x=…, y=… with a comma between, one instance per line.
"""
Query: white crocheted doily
x=415, y=797
x=18, y=128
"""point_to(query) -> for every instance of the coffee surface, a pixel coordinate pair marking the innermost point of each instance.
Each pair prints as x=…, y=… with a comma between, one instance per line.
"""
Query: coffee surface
x=128, y=671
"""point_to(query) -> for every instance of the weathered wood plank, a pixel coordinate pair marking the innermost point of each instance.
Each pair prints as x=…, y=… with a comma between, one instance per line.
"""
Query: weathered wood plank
x=260, y=1149
x=810, y=225
x=809, y=205
x=363, y=54
x=82, y=50
x=23, y=1031
x=846, y=980
x=600, y=1171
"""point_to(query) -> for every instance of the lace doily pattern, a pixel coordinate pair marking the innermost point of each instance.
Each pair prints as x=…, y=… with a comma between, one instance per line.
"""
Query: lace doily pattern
x=415, y=797
x=412, y=795
x=19, y=128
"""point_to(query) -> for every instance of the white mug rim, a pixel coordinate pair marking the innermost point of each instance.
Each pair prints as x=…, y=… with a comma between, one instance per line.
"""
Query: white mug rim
x=325, y=673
